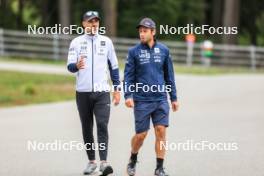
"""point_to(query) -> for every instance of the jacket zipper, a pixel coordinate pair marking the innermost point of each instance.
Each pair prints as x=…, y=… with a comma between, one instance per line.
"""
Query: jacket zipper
x=92, y=67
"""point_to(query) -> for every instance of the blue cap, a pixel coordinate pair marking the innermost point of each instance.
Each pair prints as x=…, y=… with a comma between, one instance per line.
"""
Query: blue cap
x=91, y=15
x=147, y=22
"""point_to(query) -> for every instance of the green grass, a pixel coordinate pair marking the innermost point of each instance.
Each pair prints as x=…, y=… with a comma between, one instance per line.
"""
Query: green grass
x=33, y=60
x=18, y=88
x=213, y=70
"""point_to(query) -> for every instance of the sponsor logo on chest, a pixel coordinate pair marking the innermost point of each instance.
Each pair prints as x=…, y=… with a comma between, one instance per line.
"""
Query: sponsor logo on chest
x=102, y=48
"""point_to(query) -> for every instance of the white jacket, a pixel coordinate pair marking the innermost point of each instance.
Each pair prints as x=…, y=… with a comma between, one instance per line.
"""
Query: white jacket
x=100, y=57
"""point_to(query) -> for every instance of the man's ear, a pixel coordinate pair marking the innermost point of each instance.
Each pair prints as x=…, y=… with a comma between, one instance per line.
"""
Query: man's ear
x=83, y=24
x=154, y=31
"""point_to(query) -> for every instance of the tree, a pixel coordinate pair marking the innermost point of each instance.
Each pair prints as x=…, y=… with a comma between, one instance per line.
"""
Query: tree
x=216, y=13
x=64, y=12
x=164, y=12
x=231, y=18
x=251, y=11
x=110, y=13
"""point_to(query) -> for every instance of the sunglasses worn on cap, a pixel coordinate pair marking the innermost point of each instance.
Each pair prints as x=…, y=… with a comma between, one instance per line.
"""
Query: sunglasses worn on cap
x=90, y=13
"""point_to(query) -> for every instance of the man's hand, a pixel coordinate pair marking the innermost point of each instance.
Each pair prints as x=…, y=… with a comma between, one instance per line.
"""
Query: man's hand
x=175, y=106
x=129, y=102
x=81, y=64
x=116, y=97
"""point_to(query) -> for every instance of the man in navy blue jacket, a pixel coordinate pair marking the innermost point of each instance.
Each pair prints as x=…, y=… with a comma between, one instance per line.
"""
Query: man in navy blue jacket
x=148, y=78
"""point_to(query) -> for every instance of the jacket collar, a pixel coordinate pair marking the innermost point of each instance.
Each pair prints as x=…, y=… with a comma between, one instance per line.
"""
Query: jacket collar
x=91, y=37
x=146, y=45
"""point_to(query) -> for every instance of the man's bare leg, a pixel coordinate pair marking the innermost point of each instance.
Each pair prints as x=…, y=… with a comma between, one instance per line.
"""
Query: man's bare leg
x=160, y=133
x=136, y=143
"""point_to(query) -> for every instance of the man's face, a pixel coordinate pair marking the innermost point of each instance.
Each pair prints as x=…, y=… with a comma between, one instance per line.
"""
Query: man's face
x=91, y=26
x=146, y=34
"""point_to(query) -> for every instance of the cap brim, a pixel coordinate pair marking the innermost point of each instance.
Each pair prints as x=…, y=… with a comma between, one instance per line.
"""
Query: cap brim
x=138, y=26
x=90, y=18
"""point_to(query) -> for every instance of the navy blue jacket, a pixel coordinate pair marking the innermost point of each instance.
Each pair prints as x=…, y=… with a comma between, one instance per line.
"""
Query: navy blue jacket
x=147, y=67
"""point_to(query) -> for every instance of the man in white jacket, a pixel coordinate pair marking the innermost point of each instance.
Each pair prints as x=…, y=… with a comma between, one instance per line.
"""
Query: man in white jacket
x=91, y=56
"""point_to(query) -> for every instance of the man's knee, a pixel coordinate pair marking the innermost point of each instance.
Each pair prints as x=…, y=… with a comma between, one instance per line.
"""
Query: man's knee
x=160, y=131
x=141, y=136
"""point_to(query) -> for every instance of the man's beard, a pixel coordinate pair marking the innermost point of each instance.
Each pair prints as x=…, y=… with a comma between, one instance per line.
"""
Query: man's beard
x=93, y=31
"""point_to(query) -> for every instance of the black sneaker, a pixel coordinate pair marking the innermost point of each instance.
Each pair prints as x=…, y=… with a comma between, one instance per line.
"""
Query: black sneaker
x=160, y=172
x=131, y=168
x=105, y=169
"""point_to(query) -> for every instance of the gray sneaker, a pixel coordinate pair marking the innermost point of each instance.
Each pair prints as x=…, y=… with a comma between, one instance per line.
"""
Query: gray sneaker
x=160, y=172
x=91, y=167
x=105, y=169
x=131, y=168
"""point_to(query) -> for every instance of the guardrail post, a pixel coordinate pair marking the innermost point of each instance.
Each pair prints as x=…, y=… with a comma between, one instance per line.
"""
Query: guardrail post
x=253, y=57
x=56, y=46
x=2, y=47
x=189, y=58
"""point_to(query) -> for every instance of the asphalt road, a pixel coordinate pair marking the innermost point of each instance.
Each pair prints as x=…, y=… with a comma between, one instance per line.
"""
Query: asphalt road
x=217, y=109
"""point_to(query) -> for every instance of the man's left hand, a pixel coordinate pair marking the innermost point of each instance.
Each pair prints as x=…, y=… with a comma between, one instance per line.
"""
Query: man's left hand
x=175, y=106
x=116, y=97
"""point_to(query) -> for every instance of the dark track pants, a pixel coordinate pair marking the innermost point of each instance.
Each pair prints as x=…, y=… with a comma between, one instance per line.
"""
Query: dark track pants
x=98, y=104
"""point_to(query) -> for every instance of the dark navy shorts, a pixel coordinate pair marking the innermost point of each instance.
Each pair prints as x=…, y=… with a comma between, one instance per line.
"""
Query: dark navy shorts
x=157, y=111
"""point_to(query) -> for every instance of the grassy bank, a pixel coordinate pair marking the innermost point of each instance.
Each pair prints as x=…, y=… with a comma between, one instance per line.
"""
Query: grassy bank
x=18, y=88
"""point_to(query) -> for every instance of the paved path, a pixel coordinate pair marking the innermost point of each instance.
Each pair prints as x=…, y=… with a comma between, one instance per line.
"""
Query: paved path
x=215, y=109
x=34, y=68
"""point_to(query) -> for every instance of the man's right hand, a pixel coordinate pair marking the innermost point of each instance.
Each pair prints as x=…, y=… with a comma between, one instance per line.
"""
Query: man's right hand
x=129, y=102
x=81, y=64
